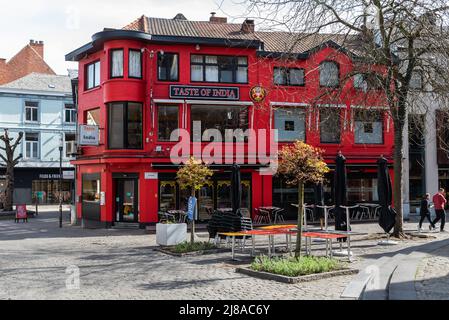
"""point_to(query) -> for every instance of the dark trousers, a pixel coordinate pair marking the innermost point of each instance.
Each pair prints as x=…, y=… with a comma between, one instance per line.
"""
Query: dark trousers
x=441, y=215
x=428, y=219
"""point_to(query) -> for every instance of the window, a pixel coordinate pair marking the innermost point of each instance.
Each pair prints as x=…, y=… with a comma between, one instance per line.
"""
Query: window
x=167, y=67
x=31, y=111
x=91, y=188
x=93, y=117
x=125, y=125
x=31, y=145
x=416, y=82
x=368, y=81
x=93, y=75
x=289, y=76
x=368, y=127
x=70, y=146
x=69, y=113
x=168, y=121
x=290, y=123
x=221, y=118
x=224, y=69
x=329, y=74
x=330, y=125
x=116, y=63
x=135, y=64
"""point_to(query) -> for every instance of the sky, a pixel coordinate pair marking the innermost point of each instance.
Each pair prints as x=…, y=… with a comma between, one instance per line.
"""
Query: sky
x=65, y=25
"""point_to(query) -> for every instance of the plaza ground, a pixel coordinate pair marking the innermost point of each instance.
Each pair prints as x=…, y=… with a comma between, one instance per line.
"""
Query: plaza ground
x=122, y=264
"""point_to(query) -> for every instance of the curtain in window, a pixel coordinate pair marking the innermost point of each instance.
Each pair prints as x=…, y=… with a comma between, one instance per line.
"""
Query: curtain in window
x=212, y=73
x=279, y=76
x=197, y=73
x=117, y=63
x=97, y=74
x=296, y=77
x=242, y=74
x=135, y=68
x=90, y=76
x=116, y=126
x=174, y=67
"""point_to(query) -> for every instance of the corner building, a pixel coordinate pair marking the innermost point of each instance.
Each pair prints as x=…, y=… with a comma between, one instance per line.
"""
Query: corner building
x=140, y=83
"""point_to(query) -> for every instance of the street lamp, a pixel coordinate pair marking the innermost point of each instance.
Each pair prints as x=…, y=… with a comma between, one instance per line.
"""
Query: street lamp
x=60, y=181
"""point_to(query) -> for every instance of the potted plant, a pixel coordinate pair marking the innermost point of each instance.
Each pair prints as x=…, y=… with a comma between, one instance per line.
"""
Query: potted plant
x=169, y=233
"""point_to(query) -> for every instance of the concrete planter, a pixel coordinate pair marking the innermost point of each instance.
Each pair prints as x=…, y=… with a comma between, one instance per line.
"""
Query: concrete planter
x=171, y=234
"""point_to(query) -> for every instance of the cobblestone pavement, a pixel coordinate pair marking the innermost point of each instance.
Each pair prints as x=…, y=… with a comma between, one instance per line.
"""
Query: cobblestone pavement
x=432, y=279
x=121, y=264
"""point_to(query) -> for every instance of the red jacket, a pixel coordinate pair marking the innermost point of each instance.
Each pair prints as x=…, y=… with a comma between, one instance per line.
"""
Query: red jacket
x=439, y=201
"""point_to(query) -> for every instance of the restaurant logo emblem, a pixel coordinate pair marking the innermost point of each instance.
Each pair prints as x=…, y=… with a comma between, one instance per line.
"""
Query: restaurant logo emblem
x=258, y=94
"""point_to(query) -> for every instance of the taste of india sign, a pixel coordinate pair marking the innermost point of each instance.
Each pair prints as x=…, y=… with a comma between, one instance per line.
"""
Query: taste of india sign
x=199, y=92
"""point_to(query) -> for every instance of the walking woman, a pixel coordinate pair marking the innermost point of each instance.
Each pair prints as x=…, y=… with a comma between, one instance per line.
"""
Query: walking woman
x=425, y=212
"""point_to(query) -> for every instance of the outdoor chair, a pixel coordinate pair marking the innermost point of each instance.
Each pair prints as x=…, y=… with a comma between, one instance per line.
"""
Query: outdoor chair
x=279, y=215
x=261, y=216
x=166, y=217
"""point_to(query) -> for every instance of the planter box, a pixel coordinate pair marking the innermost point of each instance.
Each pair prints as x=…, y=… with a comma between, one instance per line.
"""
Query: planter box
x=171, y=234
x=292, y=280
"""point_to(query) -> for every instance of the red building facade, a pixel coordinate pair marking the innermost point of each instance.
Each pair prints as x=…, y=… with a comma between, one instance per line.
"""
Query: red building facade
x=140, y=83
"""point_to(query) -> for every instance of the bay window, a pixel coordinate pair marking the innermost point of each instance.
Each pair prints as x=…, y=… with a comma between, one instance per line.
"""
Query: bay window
x=290, y=123
x=117, y=63
x=92, y=75
x=221, y=118
x=168, y=121
x=135, y=64
x=125, y=125
x=330, y=125
x=167, y=67
x=368, y=127
x=223, y=69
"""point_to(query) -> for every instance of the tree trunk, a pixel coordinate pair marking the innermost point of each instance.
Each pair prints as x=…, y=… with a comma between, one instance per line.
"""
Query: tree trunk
x=192, y=233
x=300, y=214
x=9, y=192
x=397, y=185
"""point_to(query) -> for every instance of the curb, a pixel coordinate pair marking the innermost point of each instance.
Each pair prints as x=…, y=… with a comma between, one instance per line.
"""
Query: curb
x=293, y=280
x=191, y=254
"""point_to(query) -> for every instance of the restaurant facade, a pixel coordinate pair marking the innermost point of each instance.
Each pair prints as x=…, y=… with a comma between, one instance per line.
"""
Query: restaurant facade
x=159, y=86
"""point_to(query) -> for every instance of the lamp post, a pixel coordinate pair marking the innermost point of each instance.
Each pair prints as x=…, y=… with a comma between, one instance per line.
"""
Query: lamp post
x=60, y=182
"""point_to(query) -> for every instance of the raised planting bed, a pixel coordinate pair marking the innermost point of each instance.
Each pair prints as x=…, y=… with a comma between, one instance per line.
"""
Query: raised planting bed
x=187, y=249
x=292, y=270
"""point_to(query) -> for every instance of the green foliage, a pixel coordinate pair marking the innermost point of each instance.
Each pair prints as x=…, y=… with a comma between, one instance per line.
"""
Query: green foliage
x=185, y=247
x=294, y=267
x=193, y=174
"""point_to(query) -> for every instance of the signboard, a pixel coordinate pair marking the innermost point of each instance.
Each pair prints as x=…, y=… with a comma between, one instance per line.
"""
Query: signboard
x=88, y=135
x=191, y=206
x=68, y=175
x=151, y=176
x=199, y=92
x=21, y=211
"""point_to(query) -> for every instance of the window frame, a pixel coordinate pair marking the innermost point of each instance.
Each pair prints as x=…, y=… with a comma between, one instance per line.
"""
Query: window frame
x=286, y=71
x=339, y=74
x=125, y=125
x=157, y=117
x=86, y=75
x=72, y=113
x=141, y=63
x=37, y=143
x=111, y=63
x=339, y=125
x=382, y=120
x=304, y=111
x=36, y=107
x=204, y=64
x=167, y=71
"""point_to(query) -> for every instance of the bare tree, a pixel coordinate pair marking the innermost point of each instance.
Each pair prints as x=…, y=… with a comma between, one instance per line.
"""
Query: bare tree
x=11, y=161
x=393, y=43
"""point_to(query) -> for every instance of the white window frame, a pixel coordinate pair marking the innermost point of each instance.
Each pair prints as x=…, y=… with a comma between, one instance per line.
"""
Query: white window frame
x=72, y=113
x=35, y=144
x=32, y=108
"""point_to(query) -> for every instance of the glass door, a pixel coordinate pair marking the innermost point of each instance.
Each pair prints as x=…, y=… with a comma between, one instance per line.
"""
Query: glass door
x=126, y=200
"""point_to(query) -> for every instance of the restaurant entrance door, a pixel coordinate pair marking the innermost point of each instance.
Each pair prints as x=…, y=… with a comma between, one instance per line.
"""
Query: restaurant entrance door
x=126, y=200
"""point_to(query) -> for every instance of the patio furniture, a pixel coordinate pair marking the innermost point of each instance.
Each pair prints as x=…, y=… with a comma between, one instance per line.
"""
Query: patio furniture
x=278, y=215
x=166, y=217
x=328, y=237
x=261, y=215
x=180, y=215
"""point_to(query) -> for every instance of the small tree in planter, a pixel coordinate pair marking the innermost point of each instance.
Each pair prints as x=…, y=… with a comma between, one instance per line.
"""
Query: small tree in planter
x=301, y=163
x=193, y=175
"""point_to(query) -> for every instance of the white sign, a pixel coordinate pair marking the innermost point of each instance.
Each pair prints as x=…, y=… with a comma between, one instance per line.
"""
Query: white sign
x=89, y=135
x=102, y=198
x=151, y=176
x=68, y=175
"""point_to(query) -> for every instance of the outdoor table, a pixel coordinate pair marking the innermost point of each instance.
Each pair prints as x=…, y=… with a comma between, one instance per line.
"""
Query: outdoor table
x=370, y=207
x=270, y=210
x=328, y=237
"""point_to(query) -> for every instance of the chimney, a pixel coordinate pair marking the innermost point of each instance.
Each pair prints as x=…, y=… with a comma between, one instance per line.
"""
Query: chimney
x=215, y=19
x=38, y=46
x=248, y=26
